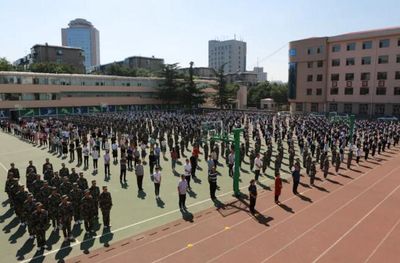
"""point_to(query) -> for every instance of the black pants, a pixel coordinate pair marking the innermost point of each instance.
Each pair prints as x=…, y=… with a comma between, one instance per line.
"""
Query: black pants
x=230, y=170
x=86, y=161
x=72, y=156
x=252, y=204
x=276, y=198
x=88, y=223
x=95, y=164
x=79, y=159
x=130, y=163
x=257, y=174
x=107, y=169
x=295, y=185
x=66, y=228
x=182, y=200
x=41, y=237
x=77, y=213
x=213, y=189
x=157, y=189
x=312, y=178
x=122, y=175
x=187, y=177
x=139, y=180
x=106, y=217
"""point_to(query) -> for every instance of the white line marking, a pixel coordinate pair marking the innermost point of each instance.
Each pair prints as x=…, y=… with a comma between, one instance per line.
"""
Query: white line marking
x=260, y=233
x=355, y=225
x=383, y=240
x=2, y=166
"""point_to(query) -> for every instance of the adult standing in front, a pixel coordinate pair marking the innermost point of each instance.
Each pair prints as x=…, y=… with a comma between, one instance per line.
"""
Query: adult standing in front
x=66, y=212
x=123, y=169
x=157, y=182
x=40, y=224
x=105, y=202
x=95, y=156
x=296, y=178
x=188, y=170
x=258, y=166
x=107, y=164
x=95, y=192
x=182, y=188
x=85, y=157
x=252, y=195
x=139, y=171
x=212, y=180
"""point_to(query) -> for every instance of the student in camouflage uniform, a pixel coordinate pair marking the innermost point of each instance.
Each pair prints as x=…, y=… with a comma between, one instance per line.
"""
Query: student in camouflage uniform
x=56, y=181
x=105, y=203
x=20, y=198
x=44, y=194
x=73, y=176
x=40, y=223
x=308, y=163
x=37, y=185
x=65, y=212
x=349, y=158
x=252, y=159
x=95, y=192
x=76, y=195
x=326, y=166
x=64, y=171
x=337, y=163
x=82, y=182
x=53, y=203
x=29, y=208
x=87, y=211
x=313, y=172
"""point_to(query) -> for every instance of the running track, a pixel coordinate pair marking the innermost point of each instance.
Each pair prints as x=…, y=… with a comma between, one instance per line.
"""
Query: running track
x=352, y=217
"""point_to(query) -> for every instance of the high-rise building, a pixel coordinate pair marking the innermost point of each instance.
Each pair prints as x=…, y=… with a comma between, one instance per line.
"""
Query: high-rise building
x=261, y=75
x=354, y=73
x=230, y=53
x=81, y=33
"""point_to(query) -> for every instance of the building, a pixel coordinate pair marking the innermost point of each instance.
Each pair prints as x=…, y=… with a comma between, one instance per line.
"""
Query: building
x=261, y=75
x=150, y=63
x=202, y=72
x=268, y=104
x=230, y=53
x=244, y=78
x=81, y=33
x=27, y=94
x=355, y=73
x=54, y=54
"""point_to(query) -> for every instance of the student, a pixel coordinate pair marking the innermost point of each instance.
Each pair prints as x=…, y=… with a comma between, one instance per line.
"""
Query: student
x=157, y=182
x=253, y=195
x=182, y=188
x=278, y=187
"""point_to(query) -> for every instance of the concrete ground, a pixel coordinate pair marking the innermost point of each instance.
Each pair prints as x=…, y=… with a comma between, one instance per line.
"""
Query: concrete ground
x=131, y=214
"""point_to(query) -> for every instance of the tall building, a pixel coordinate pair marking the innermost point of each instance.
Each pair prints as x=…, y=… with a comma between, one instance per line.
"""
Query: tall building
x=135, y=62
x=232, y=53
x=261, y=75
x=81, y=33
x=354, y=73
x=54, y=54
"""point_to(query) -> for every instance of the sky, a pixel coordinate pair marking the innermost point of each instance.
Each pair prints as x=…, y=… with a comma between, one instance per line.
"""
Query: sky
x=179, y=30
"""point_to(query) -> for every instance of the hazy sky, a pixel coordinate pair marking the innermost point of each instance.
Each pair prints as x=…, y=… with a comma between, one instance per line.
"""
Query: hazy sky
x=179, y=30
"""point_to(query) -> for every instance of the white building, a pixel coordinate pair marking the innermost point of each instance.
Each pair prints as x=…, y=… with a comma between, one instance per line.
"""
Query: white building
x=261, y=75
x=232, y=53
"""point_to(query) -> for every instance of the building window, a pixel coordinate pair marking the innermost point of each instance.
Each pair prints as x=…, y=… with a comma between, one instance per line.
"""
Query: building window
x=384, y=43
x=351, y=46
x=364, y=91
x=367, y=45
x=380, y=91
x=382, y=75
x=398, y=42
x=397, y=75
x=365, y=60
x=309, y=92
x=310, y=51
x=292, y=52
x=398, y=59
x=350, y=62
x=319, y=92
x=349, y=76
x=363, y=109
x=348, y=108
x=333, y=107
x=319, y=77
x=309, y=78
x=396, y=109
x=396, y=91
x=365, y=76
x=320, y=63
x=383, y=59
x=314, y=107
x=334, y=91
x=334, y=77
x=379, y=109
x=309, y=64
x=335, y=62
x=348, y=91
x=336, y=48
x=299, y=106
x=319, y=50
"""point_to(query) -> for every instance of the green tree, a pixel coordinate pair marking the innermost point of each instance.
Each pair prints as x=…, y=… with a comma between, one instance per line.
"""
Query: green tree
x=279, y=92
x=256, y=93
x=50, y=67
x=192, y=94
x=170, y=89
x=5, y=65
x=225, y=93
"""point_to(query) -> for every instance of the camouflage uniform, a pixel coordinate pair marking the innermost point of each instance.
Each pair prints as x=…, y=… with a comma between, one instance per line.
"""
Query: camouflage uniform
x=105, y=202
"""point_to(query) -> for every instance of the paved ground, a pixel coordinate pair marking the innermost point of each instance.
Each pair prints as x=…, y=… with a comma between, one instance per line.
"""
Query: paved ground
x=351, y=217
x=131, y=214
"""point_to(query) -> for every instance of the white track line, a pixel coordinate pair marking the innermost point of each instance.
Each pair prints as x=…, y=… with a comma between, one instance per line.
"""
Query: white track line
x=355, y=225
x=382, y=241
x=260, y=233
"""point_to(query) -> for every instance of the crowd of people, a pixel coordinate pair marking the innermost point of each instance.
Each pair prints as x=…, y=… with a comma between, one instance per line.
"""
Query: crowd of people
x=135, y=141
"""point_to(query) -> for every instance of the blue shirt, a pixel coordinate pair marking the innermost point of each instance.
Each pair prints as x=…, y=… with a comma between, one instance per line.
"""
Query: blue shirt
x=296, y=176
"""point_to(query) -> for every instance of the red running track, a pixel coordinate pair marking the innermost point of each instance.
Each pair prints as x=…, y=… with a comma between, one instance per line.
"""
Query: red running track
x=351, y=217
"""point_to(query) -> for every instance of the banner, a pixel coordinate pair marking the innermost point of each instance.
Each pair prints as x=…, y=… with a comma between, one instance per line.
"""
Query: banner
x=122, y=108
x=65, y=111
x=48, y=111
x=94, y=109
x=28, y=113
x=108, y=108
x=80, y=110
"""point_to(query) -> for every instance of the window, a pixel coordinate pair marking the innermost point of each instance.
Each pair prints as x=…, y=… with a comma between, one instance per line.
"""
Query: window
x=348, y=108
x=364, y=91
x=379, y=109
x=396, y=91
x=398, y=42
x=320, y=63
x=367, y=45
x=319, y=50
x=365, y=60
x=365, y=76
x=335, y=62
x=383, y=59
x=332, y=107
x=363, y=109
x=380, y=91
x=319, y=92
x=336, y=48
x=292, y=52
x=319, y=77
x=351, y=46
x=310, y=51
x=348, y=91
x=334, y=91
x=349, y=76
x=334, y=77
x=350, y=62
x=398, y=59
x=59, y=52
x=382, y=75
x=309, y=92
x=309, y=78
x=35, y=81
x=397, y=75
x=314, y=107
x=384, y=43
x=396, y=109
x=309, y=64
x=299, y=106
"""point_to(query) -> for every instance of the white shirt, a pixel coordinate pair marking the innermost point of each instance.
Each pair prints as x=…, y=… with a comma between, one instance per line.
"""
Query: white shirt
x=257, y=163
x=157, y=177
x=188, y=169
x=95, y=154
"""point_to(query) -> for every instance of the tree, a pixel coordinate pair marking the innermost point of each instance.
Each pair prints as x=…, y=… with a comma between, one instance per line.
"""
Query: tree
x=192, y=94
x=5, y=65
x=50, y=67
x=226, y=93
x=170, y=89
x=261, y=91
x=279, y=93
